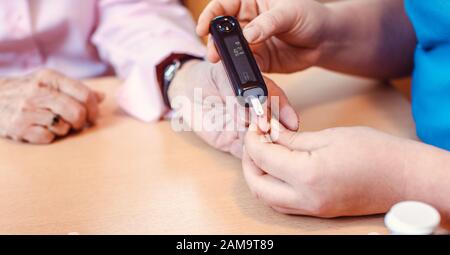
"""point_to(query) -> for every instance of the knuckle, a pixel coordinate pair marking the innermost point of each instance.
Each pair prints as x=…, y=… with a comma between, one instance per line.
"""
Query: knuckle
x=321, y=207
x=271, y=21
x=79, y=116
x=316, y=207
x=85, y=93
x=36, y=89
x=19, y=120
x=27, y=103
x=45, y=73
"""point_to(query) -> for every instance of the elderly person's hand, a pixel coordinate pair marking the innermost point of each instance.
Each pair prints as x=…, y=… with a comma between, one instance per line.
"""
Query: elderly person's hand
x=221, y=121
x=44, y=105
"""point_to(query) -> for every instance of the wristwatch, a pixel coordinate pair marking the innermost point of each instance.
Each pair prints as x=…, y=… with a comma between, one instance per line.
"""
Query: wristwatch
x=170, y=68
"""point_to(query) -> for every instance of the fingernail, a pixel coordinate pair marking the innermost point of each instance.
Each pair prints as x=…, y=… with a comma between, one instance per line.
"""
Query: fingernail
x=289, y=118
x=251, y=33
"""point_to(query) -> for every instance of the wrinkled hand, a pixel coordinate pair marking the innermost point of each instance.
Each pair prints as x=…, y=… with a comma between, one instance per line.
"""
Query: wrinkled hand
x=215, y=91
x=334, y=172
x=44, y=105
x=285, y=35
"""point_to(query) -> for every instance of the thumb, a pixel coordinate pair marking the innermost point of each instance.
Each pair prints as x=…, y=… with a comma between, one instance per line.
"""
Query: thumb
x=280, y=106
x=267, y=24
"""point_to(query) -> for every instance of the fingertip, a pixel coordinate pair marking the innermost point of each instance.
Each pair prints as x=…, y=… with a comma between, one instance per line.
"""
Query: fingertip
x=199, y=30
x=62, y=128
x=263, y=124
x=289, y=118
x=100, y=96
x=212, y=55
x=202, y=27
x=38, y=135
x=251, y=33
x=276, y=128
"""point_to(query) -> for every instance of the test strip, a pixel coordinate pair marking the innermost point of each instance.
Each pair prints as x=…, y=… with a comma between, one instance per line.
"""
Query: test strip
x=257, y=107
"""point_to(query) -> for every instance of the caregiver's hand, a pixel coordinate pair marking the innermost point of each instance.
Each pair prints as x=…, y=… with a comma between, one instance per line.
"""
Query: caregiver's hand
x=215, y=91
x=334, y=172
x=46, y=104
x=285, y=35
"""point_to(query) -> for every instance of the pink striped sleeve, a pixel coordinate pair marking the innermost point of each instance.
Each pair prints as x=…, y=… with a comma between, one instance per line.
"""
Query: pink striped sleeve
x=134, y=36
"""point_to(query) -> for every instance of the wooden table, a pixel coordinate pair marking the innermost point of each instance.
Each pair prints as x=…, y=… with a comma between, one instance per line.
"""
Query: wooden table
x=125, y=176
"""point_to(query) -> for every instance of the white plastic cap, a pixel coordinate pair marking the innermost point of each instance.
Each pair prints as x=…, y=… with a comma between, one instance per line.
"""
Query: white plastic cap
x=412, y=218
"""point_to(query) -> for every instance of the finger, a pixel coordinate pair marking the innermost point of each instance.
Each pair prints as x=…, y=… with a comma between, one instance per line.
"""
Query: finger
x=275, y=159
x=248, y=10
x=61, y=128
x=281, y=107
x=212, y=55
x=100, y=96
x=236, y=147
x=267, y=188
x=69, y=109
x=46, y=118
x=289, y=211
x=213, y=9
x=263, y=121
x=272, y=22
x=219, y=79
x=38, y=135
x=225, y=139
x=303, y=141
x=75, y=89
